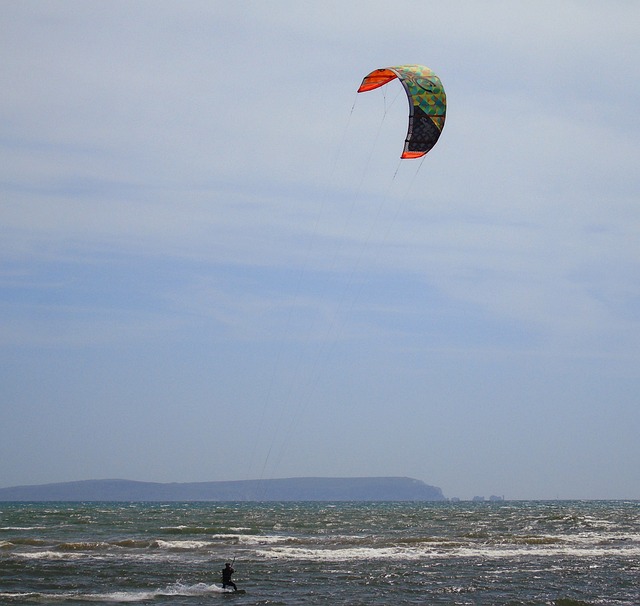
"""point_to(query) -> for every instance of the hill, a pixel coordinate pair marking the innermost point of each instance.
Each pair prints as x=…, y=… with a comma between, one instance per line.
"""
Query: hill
x=289, y=489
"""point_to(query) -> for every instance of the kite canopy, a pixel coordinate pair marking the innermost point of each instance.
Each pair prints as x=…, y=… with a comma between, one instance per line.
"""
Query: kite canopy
x=427, y=104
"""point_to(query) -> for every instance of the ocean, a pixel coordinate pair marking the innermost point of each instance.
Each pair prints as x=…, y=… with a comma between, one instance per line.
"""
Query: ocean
x=556, y=553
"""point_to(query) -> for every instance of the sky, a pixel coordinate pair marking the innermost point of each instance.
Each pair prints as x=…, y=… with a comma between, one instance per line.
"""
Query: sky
x=215, y=266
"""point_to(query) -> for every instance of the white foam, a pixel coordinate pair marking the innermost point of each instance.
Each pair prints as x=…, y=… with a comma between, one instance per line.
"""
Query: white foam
x=182, y=545
x=192, y=590
x=336, y=555
x=49, y=555
x=116, y=596
x=177, y=589
x=481, y=551
x=253, y=539
x=19, y=596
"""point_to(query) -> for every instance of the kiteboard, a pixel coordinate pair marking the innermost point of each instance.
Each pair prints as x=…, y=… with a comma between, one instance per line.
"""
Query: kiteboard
x=229, y=590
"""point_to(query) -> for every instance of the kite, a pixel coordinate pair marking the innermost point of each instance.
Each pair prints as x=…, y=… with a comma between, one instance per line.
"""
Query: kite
x=427, y=104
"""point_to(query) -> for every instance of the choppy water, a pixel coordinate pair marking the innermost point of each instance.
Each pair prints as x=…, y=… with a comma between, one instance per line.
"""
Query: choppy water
x=511, y=553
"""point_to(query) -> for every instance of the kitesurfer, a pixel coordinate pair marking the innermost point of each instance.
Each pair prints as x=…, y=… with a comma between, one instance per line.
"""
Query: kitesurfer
x=227, y=571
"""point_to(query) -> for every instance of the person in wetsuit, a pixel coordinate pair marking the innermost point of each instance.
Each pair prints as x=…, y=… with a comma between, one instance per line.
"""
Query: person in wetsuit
x=227, y=571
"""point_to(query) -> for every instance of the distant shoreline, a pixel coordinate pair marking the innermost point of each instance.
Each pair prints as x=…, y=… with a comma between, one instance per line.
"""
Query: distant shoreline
x=287, y=489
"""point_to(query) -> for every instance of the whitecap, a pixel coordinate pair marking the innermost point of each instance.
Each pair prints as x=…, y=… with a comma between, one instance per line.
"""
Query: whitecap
x=182, y=545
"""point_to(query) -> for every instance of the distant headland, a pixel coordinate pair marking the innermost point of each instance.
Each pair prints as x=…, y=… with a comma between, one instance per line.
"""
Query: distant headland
x=289, y=489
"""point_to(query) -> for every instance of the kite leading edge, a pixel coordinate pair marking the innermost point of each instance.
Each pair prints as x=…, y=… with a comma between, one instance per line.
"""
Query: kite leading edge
x=427, y=104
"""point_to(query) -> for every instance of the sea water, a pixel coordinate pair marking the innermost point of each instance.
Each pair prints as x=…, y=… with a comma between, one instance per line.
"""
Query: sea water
x=511, y=553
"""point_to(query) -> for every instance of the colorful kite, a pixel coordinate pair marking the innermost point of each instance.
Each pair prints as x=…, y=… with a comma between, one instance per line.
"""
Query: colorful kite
x=427, y=104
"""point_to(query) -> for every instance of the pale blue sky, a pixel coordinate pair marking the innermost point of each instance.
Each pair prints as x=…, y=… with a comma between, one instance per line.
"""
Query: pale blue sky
x=211, y=270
